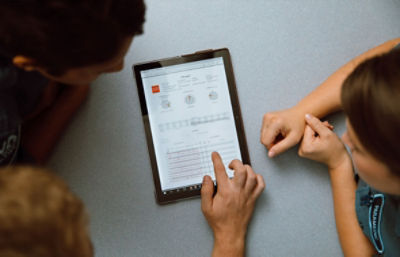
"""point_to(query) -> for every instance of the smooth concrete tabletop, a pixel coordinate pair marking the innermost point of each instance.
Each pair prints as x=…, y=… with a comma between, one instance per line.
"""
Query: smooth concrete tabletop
x=281, y=50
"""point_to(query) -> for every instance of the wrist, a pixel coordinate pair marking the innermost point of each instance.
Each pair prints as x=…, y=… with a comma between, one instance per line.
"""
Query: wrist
x=229, y=244
x=342, y=179
x=345, y=166
x=303, y=107
x=338, y=159
x=299, y=109
x=319, y=104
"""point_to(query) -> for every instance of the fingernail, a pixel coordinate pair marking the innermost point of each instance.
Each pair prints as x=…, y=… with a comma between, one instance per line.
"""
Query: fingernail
x=308, y=116
x=205, y=180
x=271, y=153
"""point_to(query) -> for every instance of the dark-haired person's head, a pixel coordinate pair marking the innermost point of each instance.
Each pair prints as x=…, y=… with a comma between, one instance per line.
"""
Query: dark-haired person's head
x=70, y=41
x=371, y=101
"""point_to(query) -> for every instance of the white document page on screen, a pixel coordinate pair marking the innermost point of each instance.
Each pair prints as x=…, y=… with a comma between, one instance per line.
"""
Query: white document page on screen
x=190, y=116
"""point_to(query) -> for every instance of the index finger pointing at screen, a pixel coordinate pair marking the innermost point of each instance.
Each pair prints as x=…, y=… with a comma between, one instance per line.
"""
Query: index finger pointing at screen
x=219, y=169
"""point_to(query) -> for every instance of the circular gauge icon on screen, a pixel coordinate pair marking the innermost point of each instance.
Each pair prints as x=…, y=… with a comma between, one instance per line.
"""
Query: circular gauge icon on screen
x=165, y=104
x=213, y=95
x=189, y=99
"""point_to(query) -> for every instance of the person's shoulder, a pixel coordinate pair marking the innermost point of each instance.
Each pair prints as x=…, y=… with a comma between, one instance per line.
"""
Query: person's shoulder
x=8, y=74
x=9, y=144
x=9, y=118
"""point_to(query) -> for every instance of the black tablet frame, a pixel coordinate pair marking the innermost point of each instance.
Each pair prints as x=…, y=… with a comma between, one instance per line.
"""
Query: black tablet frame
x=197, y=56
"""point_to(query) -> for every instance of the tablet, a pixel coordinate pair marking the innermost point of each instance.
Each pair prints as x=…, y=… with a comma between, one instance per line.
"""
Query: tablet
x=190, y=108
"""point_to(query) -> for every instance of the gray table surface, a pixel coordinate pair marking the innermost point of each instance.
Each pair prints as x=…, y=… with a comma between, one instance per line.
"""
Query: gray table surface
x=281, y=50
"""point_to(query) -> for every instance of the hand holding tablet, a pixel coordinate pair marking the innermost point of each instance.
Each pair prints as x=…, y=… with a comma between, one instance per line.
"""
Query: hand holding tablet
x=228, y=212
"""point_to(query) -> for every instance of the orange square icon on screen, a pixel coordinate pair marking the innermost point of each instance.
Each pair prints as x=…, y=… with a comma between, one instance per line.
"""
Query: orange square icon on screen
x=155, y=89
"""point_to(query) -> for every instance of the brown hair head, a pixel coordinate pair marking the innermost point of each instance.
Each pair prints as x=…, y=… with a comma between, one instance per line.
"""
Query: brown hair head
x=371, y=100
x=40, y=216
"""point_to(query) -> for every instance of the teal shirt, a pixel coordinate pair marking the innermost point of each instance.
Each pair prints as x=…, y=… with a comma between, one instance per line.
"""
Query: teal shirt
x=379, y=217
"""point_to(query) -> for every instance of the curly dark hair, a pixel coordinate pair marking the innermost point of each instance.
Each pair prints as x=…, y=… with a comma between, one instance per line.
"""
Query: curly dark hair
x=62, y=34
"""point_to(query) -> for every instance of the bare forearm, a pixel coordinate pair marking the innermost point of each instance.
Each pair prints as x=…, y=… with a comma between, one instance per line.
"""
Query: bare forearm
x=351, y=237
x=325, y=99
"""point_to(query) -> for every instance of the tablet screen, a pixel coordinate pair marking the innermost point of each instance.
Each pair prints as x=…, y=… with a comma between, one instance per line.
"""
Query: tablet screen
x=190, y=115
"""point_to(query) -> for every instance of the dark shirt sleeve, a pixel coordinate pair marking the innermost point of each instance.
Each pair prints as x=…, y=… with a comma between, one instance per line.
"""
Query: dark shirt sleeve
x=9, y=118
x=9, y=140
x=20, y=92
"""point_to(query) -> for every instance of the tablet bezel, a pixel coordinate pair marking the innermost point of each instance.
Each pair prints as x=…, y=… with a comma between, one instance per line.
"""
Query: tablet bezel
x=197, y=56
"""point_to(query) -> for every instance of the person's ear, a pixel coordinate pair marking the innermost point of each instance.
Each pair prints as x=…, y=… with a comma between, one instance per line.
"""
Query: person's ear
x=24, y=63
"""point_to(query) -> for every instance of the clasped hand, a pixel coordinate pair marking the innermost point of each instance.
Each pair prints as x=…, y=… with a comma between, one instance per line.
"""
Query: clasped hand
x=283, y=129
x=321, y=144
